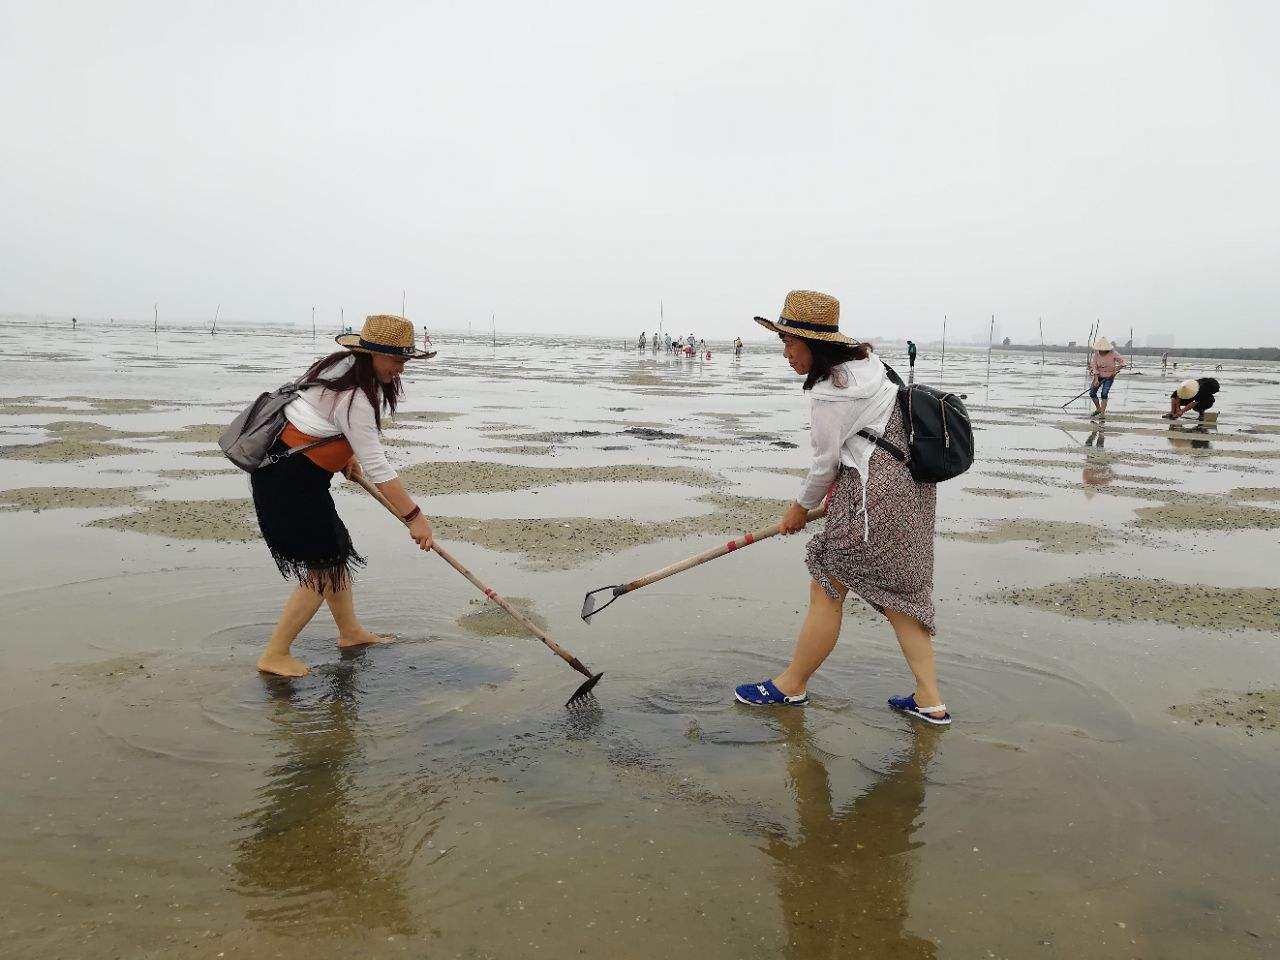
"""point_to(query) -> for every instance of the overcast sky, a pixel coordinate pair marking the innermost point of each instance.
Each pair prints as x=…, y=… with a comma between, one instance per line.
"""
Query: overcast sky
x=568, y=165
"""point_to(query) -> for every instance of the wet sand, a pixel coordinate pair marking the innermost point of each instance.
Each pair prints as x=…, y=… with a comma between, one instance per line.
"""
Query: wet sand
x=433, y=798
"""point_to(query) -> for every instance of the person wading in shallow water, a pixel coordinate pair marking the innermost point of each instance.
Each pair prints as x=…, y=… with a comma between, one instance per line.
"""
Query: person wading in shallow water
x=307, y=538
x=878, y=536
x=1104, y=365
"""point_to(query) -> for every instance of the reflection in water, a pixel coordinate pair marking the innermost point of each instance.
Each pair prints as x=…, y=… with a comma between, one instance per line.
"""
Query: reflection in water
x=313, y=855
x=1097, y=472
x=1189, y=438
x=844, y=882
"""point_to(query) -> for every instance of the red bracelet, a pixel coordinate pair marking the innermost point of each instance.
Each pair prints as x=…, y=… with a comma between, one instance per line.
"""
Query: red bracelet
x=412, y=515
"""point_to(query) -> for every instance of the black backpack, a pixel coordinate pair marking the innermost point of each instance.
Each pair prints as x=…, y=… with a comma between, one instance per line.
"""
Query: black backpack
x=939, y=435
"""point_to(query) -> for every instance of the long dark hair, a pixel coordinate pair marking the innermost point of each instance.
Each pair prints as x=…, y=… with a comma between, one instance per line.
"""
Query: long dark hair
x=382, y=396
x=829, y=354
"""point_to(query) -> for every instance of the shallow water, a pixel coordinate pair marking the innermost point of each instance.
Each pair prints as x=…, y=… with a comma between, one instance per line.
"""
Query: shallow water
x=432, y=798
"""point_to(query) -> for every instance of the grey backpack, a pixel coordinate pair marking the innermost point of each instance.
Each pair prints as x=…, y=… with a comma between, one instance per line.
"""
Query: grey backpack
x=248, y=439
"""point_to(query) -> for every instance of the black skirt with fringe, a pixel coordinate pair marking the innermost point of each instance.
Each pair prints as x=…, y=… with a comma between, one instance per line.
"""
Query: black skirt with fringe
x=300, y=524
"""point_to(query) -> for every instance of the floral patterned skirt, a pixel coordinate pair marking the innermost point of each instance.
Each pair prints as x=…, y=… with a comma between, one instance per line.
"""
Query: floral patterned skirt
x=893, y=568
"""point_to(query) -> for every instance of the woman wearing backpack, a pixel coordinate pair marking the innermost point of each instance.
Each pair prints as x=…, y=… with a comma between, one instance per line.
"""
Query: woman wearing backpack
x=307, y=538
x=878, y=536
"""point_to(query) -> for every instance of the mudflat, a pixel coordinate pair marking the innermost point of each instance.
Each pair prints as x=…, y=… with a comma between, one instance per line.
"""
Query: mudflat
x=1109, y=638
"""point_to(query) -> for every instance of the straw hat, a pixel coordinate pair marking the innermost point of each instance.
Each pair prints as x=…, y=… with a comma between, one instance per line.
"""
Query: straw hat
x=808, y=314
x=1103, y=345
x=384, y=334
x=1187, y=389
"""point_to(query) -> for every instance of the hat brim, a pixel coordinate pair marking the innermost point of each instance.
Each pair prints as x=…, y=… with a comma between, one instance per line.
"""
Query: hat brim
x=834, y=336
x=352, y=342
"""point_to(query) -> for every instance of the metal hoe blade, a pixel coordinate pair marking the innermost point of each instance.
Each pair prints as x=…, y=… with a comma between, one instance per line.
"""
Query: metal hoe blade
x=589, y=608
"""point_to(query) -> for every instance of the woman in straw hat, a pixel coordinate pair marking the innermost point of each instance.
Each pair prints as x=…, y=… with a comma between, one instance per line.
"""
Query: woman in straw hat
x=878, y=536
x=342, y=417
x=1104, y=364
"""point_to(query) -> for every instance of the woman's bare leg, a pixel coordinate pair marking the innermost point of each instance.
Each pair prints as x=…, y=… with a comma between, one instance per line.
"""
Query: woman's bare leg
x=817, y=639
x=917, y=647
x=298, y=611
x=342, y=605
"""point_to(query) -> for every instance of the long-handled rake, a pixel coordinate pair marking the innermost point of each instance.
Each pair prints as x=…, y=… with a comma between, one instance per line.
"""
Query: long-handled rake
x=590, y=609
x=565, y=655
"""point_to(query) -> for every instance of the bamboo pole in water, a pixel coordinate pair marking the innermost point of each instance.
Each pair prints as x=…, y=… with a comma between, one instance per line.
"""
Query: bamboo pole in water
x=943, y=368
x=991, y=333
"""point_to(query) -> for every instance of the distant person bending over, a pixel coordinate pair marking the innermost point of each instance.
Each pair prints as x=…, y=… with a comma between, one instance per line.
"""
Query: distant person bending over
x=1197, y=395
x=296, y=514
x=1103, y=365
x=878, y=537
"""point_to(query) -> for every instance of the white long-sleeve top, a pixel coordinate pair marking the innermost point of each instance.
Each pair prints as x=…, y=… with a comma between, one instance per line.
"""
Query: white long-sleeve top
x=857, y=396
x=322, y=412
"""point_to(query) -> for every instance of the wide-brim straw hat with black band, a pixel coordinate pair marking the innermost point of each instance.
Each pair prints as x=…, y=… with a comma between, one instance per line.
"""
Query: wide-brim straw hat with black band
x=1188, y=389
x=384, y=334
x=809, y=314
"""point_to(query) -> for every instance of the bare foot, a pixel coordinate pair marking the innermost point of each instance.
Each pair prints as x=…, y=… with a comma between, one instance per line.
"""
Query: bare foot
x=363, y=638
x=282, y=665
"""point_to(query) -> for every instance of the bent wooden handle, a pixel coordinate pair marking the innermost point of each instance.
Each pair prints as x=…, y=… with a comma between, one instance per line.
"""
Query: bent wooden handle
x=743, y=541
x=486, y=590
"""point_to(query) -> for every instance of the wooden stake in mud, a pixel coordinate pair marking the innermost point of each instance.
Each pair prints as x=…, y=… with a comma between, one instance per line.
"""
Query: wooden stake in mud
x=942, y=369
x=155, y=307
x=214, y=328
x=991, y=335
x=1041, y=342
x=565, y=655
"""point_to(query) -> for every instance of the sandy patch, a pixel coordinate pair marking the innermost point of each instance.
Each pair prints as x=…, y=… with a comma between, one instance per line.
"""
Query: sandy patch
x=1128, y=599
x=1255, y=493
x=196, y=433
x=191, y=473
x=1001, y=492
x=475, y=476
x=221, y=520
x=524, y=450
x=1252, y=710
x=56, y=498
x=487, y=619
x=1053, y=536
x=1208, y=514
x=103, y=405
x=425, y=416
x=789, y=471
x=63, y=451
x=565, y=542
x=1032, y=462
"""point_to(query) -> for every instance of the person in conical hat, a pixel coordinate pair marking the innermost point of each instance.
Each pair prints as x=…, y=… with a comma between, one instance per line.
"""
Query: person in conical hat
x=336, y=427
x=1198, y=395
x=1104, y=364
x=878, y=537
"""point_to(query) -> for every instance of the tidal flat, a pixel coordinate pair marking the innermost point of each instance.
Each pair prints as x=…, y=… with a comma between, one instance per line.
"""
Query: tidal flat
x=1106, y=791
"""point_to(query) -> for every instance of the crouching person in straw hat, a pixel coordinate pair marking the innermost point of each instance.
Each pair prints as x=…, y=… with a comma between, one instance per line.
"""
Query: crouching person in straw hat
x=878, y=536
x=307, y=538
x=1198, y=395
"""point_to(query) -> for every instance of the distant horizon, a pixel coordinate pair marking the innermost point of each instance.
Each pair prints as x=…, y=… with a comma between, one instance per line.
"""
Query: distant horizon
x=748, y=336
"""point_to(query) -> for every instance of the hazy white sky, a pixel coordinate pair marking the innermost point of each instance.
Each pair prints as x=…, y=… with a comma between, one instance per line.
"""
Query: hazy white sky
x=567, y=165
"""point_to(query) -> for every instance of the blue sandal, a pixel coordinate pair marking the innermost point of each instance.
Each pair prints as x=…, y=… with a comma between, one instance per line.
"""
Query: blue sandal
x=908, y=706
x=765, y=694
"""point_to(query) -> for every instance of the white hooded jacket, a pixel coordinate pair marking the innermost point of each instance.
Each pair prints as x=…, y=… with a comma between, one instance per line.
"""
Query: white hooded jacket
x=857, y=396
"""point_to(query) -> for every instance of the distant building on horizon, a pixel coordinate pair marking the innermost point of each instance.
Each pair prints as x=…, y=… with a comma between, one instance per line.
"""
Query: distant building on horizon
x=1161, y=340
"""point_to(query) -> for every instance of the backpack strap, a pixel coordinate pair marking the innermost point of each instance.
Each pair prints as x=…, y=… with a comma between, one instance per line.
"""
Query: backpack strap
x=885, y=445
